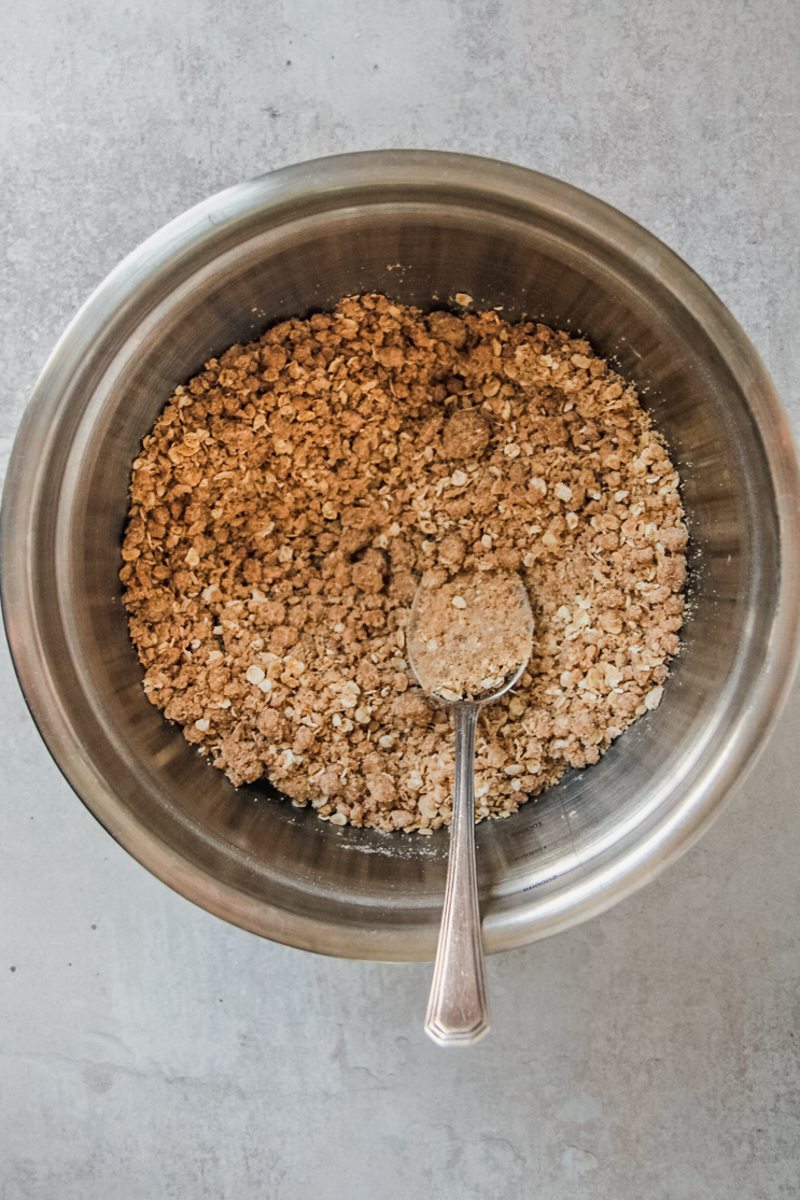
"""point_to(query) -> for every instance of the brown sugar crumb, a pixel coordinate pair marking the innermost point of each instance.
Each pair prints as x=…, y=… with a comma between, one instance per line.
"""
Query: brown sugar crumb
x=291, y=496
x=469, y=635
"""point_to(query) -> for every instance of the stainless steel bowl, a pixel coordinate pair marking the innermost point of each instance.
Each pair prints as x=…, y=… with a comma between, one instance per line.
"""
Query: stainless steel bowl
x=420, y=226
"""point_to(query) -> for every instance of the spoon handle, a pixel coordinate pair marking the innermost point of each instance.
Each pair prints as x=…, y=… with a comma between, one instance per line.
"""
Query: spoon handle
x=458, y=1008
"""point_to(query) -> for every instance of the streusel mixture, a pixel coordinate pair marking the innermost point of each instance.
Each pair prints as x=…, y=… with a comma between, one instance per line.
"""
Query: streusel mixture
x=291, y=496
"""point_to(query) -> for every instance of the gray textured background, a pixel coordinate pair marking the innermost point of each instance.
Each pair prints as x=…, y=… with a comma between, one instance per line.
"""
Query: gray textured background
x=150, y=1051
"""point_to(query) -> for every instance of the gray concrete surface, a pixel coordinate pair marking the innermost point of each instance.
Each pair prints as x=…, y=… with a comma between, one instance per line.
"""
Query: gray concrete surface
x=148, y=1050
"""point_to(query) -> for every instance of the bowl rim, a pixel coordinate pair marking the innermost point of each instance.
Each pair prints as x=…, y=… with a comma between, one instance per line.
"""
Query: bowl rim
x=711, y=787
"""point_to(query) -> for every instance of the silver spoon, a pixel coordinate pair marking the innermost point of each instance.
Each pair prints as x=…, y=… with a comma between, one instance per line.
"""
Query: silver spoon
x=458, y=1007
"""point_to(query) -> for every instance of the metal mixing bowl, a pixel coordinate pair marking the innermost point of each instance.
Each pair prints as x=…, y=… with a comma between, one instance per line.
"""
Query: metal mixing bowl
x=420, y=226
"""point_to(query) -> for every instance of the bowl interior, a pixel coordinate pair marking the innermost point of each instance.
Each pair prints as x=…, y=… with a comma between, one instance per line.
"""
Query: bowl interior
x=266, y=864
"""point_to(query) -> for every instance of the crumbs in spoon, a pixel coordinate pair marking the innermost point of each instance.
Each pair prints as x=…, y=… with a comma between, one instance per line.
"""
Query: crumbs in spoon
x=469, y=635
